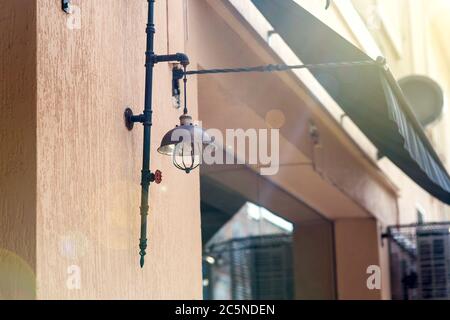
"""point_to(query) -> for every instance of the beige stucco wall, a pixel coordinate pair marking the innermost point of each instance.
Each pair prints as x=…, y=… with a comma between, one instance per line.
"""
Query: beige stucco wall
x=70, y=170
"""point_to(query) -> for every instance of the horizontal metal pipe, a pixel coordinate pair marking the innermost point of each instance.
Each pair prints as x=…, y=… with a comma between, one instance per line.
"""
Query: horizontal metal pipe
x=283, y=67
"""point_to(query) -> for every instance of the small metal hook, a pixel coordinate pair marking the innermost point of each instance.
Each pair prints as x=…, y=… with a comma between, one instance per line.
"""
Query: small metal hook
x=66, y=6
x=328, y=4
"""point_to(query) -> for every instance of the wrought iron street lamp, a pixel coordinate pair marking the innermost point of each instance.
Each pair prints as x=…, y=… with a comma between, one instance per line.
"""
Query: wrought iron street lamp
x=182, y=148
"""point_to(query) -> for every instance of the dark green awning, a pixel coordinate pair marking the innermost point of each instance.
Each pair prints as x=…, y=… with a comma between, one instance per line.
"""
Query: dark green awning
x=369, y=95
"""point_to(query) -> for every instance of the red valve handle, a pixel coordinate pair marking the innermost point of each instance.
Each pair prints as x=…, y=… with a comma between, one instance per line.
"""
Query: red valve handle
x=158, y=176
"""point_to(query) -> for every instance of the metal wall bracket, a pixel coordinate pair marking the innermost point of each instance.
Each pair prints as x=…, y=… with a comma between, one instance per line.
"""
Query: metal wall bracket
x=131, y=119
x=66, y=6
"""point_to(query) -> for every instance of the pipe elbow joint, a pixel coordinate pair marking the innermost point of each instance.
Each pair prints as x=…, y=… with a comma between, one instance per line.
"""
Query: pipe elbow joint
x=183, y=59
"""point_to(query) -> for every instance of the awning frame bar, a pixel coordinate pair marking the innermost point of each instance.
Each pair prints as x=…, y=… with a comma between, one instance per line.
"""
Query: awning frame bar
x=179, y=73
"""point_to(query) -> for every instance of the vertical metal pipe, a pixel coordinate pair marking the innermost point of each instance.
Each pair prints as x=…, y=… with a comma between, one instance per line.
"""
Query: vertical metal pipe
x=145, y=179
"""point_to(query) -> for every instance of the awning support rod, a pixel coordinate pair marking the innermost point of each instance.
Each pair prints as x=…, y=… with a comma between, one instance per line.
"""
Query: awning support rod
x=180, y=73
x=277, y=68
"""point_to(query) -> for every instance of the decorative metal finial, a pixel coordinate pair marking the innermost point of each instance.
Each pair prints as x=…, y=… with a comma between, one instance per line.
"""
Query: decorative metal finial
x=142, y=253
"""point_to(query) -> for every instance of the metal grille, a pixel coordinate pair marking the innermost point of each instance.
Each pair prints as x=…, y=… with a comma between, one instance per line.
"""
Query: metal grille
x=420, y=261
x=260, y=268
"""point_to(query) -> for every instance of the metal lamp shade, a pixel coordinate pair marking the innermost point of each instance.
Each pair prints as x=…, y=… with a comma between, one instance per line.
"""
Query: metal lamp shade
x=185, y=144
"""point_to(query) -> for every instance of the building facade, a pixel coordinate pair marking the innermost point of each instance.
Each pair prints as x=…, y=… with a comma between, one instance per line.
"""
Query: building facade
x=69, y=170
